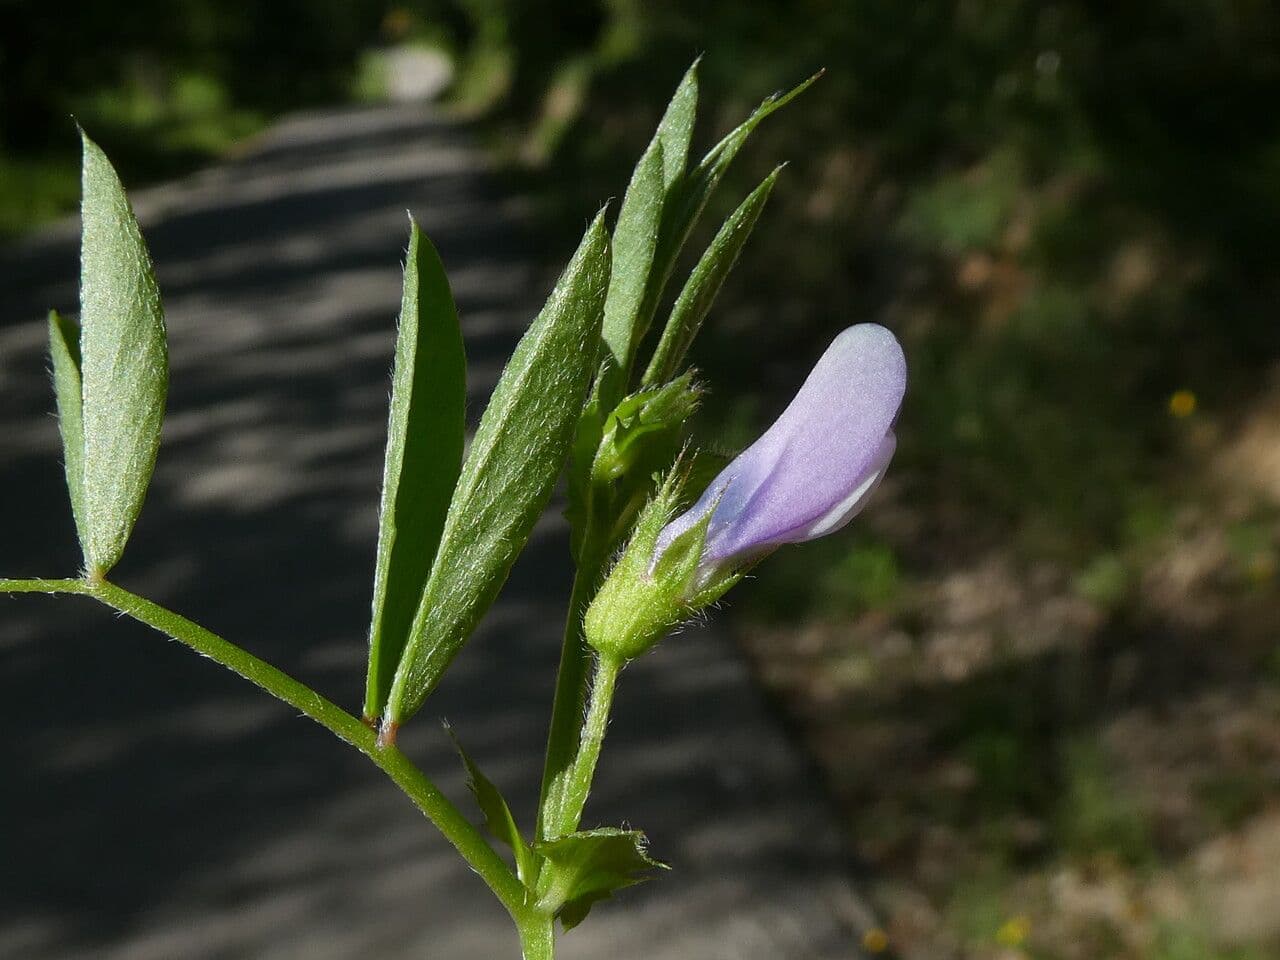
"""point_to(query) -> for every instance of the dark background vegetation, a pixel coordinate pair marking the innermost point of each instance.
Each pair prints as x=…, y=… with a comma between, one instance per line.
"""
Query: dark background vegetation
x=1041, y=674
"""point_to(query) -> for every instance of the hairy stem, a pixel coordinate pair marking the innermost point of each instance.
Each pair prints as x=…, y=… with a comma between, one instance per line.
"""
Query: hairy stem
x=465, y=838
x=44, y=586
x=571, y=683
x=583, y=769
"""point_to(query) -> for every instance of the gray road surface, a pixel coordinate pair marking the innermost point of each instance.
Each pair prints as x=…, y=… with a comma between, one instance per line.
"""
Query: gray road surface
x=154, y=806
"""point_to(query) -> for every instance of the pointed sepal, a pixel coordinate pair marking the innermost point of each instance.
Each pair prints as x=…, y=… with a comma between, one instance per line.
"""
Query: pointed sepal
x=581, y=869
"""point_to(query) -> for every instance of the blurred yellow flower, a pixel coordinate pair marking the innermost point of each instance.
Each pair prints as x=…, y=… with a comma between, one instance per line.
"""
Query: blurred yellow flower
x=1014, y=931
x=875, y=940
x=1182, y=403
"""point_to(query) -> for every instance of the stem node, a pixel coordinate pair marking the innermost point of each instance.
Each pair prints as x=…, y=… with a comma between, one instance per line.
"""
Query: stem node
x=387, y=734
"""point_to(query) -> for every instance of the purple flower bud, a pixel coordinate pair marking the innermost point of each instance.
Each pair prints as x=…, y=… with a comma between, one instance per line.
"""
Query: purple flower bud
x=816, y=466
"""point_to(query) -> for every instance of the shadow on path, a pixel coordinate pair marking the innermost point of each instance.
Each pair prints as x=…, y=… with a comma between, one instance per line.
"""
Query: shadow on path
x=155, y=806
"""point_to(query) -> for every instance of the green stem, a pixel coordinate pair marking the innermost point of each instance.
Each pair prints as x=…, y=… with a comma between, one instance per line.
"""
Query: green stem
x=571, y=684
x=44, y=586
x=583, y=770
x=538, y=937
x=459, y=831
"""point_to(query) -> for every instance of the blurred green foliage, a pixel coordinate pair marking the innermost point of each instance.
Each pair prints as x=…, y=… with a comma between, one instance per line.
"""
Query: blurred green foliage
x=55, y=56
x=1186, y=941
x=162, y=86
x=840, y=577
x=1094, y=816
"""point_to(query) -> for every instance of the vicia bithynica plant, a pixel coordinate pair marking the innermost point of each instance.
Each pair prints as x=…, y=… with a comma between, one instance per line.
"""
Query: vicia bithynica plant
x=598, y=389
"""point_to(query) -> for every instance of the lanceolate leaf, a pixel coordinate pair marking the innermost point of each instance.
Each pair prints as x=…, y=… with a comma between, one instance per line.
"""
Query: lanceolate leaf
x=64, y=351
x=125, y=363
x=497, y=815
x=675, y=130
x=634, y=238
x=719, y=157
x=704, y=284
x=636, y=233
x=518, y=451
x=584, y=868
x=689, y=195
x=425, y=434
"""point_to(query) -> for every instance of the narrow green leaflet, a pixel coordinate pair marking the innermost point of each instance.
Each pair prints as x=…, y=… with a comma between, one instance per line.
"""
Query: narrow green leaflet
x=518, y=451
x=64, y=352
x=703, y=179
x=124, y=363
x=675, y=130
x=497, y=815
x=719, y=157
x=689, y=196
x=634, y=238
x=583, y=868
x=425, y=436
x=704, y=284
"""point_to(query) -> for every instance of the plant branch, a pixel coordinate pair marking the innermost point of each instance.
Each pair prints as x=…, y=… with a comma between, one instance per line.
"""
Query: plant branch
x=583, y=770
x=538, y=937
x=44, y=586
x=571, y=682
x=459, y=831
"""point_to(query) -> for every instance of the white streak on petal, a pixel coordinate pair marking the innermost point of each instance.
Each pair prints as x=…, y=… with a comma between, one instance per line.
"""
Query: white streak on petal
x=846, y=510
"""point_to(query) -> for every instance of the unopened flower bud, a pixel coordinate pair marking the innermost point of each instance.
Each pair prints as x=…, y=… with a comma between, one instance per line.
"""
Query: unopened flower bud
x=641, y=600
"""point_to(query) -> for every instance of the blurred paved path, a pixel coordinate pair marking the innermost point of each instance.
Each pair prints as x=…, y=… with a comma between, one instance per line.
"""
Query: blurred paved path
x=154, y=806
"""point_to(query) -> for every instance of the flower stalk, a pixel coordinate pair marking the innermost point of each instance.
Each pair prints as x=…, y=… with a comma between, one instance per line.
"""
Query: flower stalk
x=582, y=771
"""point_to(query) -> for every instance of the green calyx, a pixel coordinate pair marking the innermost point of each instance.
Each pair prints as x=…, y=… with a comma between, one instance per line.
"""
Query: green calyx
x=642, y=599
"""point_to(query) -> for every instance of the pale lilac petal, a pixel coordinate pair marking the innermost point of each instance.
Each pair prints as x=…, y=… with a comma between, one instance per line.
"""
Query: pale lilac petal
x=845, y=511
x=811, y=471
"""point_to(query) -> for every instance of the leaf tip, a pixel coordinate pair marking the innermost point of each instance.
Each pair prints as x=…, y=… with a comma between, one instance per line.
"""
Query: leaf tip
x=88, y=146
x=598, y=233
